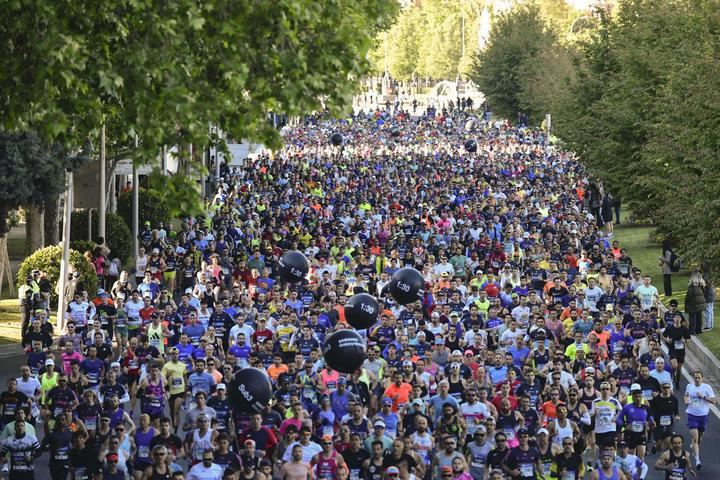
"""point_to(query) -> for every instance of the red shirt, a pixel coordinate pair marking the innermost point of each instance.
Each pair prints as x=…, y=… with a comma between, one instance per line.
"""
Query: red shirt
x=513, y=402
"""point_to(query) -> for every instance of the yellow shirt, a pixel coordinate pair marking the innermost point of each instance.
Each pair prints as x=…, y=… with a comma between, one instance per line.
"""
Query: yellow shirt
x=174, y=373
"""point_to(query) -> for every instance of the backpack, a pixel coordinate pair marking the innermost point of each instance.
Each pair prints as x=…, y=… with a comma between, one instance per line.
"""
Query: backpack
x=675, y=262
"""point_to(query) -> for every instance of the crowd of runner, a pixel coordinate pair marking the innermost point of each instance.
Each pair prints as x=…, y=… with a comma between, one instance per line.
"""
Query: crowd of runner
x=539, y=350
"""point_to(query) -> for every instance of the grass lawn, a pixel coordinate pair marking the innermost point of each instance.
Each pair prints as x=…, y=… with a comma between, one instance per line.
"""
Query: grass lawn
x=17, y=247
x=645, y=253
x=10, y=321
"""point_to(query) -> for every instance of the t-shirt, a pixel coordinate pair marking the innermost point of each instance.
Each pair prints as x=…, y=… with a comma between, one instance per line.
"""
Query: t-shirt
x=646, y=296
x=175, y=375
x=697, y=405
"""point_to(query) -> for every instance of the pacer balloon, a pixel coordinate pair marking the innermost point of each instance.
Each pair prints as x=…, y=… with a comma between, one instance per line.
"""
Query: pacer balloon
x=294, y=266
x=250, y=391
x=344, y=351
x=361, y=311
x=407, y=285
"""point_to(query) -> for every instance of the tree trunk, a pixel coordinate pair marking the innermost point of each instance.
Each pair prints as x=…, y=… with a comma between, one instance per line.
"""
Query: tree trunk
x=52, y=221
x=35, y=228
x=112, y=197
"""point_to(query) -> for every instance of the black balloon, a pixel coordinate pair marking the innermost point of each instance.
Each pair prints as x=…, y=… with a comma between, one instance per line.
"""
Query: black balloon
x=294, y=266
x=407, y=285
x=471, y=146
x=250, y=391
x=336, y=139
x=344, y=351
x=361, y=311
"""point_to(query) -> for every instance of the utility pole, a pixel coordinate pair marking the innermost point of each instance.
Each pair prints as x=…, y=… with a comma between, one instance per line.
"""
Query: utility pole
x=135, y=201
x=103, y=194
x=65, y=264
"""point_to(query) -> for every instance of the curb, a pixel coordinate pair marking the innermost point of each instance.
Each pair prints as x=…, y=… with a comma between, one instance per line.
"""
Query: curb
x=706, y=360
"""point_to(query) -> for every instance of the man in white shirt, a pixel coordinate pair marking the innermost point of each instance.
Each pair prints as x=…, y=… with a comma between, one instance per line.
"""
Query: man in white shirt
x=698, y=397
x=207, y=470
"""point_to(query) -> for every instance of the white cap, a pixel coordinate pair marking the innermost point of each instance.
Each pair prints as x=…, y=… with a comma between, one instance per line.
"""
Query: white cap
x=635, y=387
x=220, y=386
x=115, y=364
x=457, y=352
x=543, y=430
x=50, y=361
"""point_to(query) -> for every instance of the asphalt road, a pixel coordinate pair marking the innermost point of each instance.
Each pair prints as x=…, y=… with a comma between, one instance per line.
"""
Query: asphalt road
x=710, y=449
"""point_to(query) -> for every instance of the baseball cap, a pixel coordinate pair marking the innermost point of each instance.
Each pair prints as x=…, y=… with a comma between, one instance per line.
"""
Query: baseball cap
x=250, y=442
x=543, y=431
x=407, y=363
x=112, y=457
x=387, y=401
x=379, y=423
x=220, y=386
x=622, y=443
x=635, y=387
x=417, y=401
x=457, y=352
x=481, y=429
x=439, y=341
x=392, y=471
x=589, y=370
x=434, y=315
x=50, y=361
x=446, y=469
x=522, y=431
x=115, y=365
x=341, y=381
x=469, y=352
x=327, y=438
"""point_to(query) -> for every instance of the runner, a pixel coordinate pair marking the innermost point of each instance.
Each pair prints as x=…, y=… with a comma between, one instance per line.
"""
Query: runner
x=698, y=398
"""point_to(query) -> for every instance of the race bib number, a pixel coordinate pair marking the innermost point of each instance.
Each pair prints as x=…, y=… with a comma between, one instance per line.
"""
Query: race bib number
x=90, y=424
x=695, y=402
x=143, y=451
x=510, y=434
x=177, y=382
x=604, y=418
x=527, y=470
x=665, y=420
x=679, y=344
x=637, y=426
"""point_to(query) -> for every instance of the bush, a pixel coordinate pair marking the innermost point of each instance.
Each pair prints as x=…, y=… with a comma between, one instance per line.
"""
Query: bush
x=118, y=237
x=82, y=246
x=152, y=208
x=48, y=260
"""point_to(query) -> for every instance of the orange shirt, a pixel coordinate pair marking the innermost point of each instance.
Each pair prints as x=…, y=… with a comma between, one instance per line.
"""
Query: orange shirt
x=399, y=394
x=275, y=372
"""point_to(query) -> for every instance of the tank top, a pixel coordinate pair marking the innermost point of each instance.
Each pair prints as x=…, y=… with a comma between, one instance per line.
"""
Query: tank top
x=571, y=466
x=561, y=432
x=200, y=444
x=541, y=359
x=508, y=425
x=326, y=468
x=156, y=337
x=679, y=470
x=375, y=472
x=586, y=399
x=422, y=445
x=170, y=262
x=142, y=442
x=160, y=476
x=574, y=413
x=456, y=389
x=47, y=383
x=614, y=476
x=329, y=379
x=116, y=418
x=154, y=404
x=546, y=459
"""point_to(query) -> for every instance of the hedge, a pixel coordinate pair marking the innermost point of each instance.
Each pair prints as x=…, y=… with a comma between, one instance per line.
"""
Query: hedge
x=82, y=246
x=152, y=208
x=118, y=237
x=48, y=260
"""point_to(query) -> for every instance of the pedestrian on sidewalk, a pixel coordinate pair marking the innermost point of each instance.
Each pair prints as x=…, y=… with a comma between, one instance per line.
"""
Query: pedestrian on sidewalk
x=695, y=302
x=709, y=297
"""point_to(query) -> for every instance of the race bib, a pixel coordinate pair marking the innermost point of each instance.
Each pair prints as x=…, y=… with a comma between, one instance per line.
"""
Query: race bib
x=143, y=451
x=510, y=434
x=527, y=470
x=637, y=426
x=90, y=424
x=61, y=454
x=177, y=382
x=695, y=402
x=665, y=420
x=679, y=344
x=604, y=418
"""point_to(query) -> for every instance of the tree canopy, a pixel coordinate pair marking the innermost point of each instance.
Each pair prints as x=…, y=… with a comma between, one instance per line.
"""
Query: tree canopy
x=636, y=99
x=166, y=71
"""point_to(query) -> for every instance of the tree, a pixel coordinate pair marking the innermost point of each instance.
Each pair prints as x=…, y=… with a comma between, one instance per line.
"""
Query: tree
x=152, y=207
x=506, y=71
x=642, y=114
x=166, y=71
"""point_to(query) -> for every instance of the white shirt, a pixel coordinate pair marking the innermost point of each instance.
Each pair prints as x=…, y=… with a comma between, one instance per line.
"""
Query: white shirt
x=201, y=472
x=308, y=451
x=28, y=388
x=697, y=406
